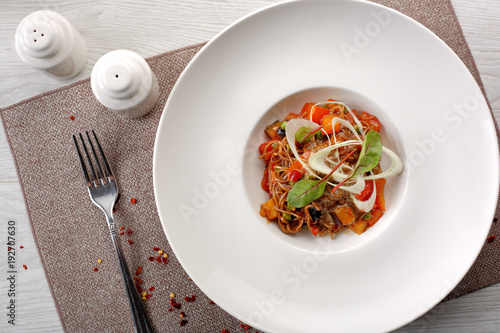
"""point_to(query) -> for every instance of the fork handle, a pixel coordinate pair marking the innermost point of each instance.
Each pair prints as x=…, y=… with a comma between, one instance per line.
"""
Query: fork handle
x=141, y=322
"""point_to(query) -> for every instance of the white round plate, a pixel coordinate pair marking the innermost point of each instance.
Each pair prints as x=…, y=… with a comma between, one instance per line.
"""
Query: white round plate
x=207, y=173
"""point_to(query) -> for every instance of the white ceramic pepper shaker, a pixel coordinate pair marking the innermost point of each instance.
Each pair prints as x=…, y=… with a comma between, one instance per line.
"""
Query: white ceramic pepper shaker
x=45, y=40
x=123, y=82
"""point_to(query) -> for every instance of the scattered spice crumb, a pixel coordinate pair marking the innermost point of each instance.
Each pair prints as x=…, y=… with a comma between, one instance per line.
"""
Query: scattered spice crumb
x=152, y=288
x=165, y=261
x=158, y=259
x=95, y=268
x=225, y=331
x=72, y=117
x=165, y=255
x=144, y=298
x=160, y=252
x=182, y=314
x=122, y=228
x=172, y=295
x=245, y=327
x=189, y=279
x=128, y=232
x=99, y=260
x=212, y=302
x=130, y=242
x=121, y=233
x=491, y=238
x=137, y=280
x=183, y=322
x=148, y=295
x=133, y=201
x=175, y=304
x=495, y=220
x=156, y=249
x=170, y=310
x=151, y=258
x=139, y=270
x=190, y=299
x=144, y=293
x=21, y=247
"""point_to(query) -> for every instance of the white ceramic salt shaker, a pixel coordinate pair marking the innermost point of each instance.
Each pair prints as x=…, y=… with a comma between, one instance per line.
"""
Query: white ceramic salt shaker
x=45, y=40
x=123, y=82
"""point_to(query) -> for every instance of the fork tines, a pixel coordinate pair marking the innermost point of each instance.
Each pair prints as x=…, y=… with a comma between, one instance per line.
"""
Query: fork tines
x=100, y=175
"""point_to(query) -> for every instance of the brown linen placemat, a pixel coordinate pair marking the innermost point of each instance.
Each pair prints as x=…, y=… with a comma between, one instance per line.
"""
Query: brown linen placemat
x=71, y=233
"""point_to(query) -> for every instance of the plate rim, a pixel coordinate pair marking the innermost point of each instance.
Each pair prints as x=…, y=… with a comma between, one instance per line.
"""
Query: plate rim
x=208, y=45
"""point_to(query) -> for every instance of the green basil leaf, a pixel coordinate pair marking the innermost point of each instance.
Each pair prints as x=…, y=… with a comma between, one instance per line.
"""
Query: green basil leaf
x=302, y=133
x=371, y=151
x=304, y=192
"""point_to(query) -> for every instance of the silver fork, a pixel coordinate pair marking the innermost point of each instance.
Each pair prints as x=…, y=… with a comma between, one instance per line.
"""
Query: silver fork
x=103, y=191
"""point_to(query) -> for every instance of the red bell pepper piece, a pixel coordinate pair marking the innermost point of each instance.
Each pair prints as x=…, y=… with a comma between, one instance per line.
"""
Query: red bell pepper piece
x=266, y=149
x=367, y=192
x=314, y=229
x=371, y=120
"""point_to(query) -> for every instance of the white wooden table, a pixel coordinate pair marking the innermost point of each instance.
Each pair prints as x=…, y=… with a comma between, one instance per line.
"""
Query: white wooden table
x=152, y=27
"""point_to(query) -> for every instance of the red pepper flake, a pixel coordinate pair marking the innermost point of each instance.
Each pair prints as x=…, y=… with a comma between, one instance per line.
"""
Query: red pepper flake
x=212, y=302
x=122, y=228
x=21, y=247
x=139, y=270
x=137, y=280
x=182, y=314
x=491, y=238
x=165, y=261
x=130, y=242
x=183, y=322
x=133, y=201
x=170, y=310
x=95, y=268
x=152, y=288
x=148, y=296
x=245, y=327
x=114, y=209
x=151, y=258
x=175, y=304
x=156, y=249
x=158, y=259
x=190, y=299
x=128, y=232
x=72, y=117
x=225, y=331
x=121, y=233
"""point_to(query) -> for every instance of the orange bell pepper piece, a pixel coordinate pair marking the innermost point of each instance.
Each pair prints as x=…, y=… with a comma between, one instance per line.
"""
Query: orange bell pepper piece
x=326, y=122
x=306, y=110
x=317, y=113
x=380, y=201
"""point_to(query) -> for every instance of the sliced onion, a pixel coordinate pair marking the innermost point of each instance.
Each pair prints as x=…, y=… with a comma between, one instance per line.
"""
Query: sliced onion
x=292, y=126
x=356, y=188
x=317, y=160
x=395, y=168
x=341, y=121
